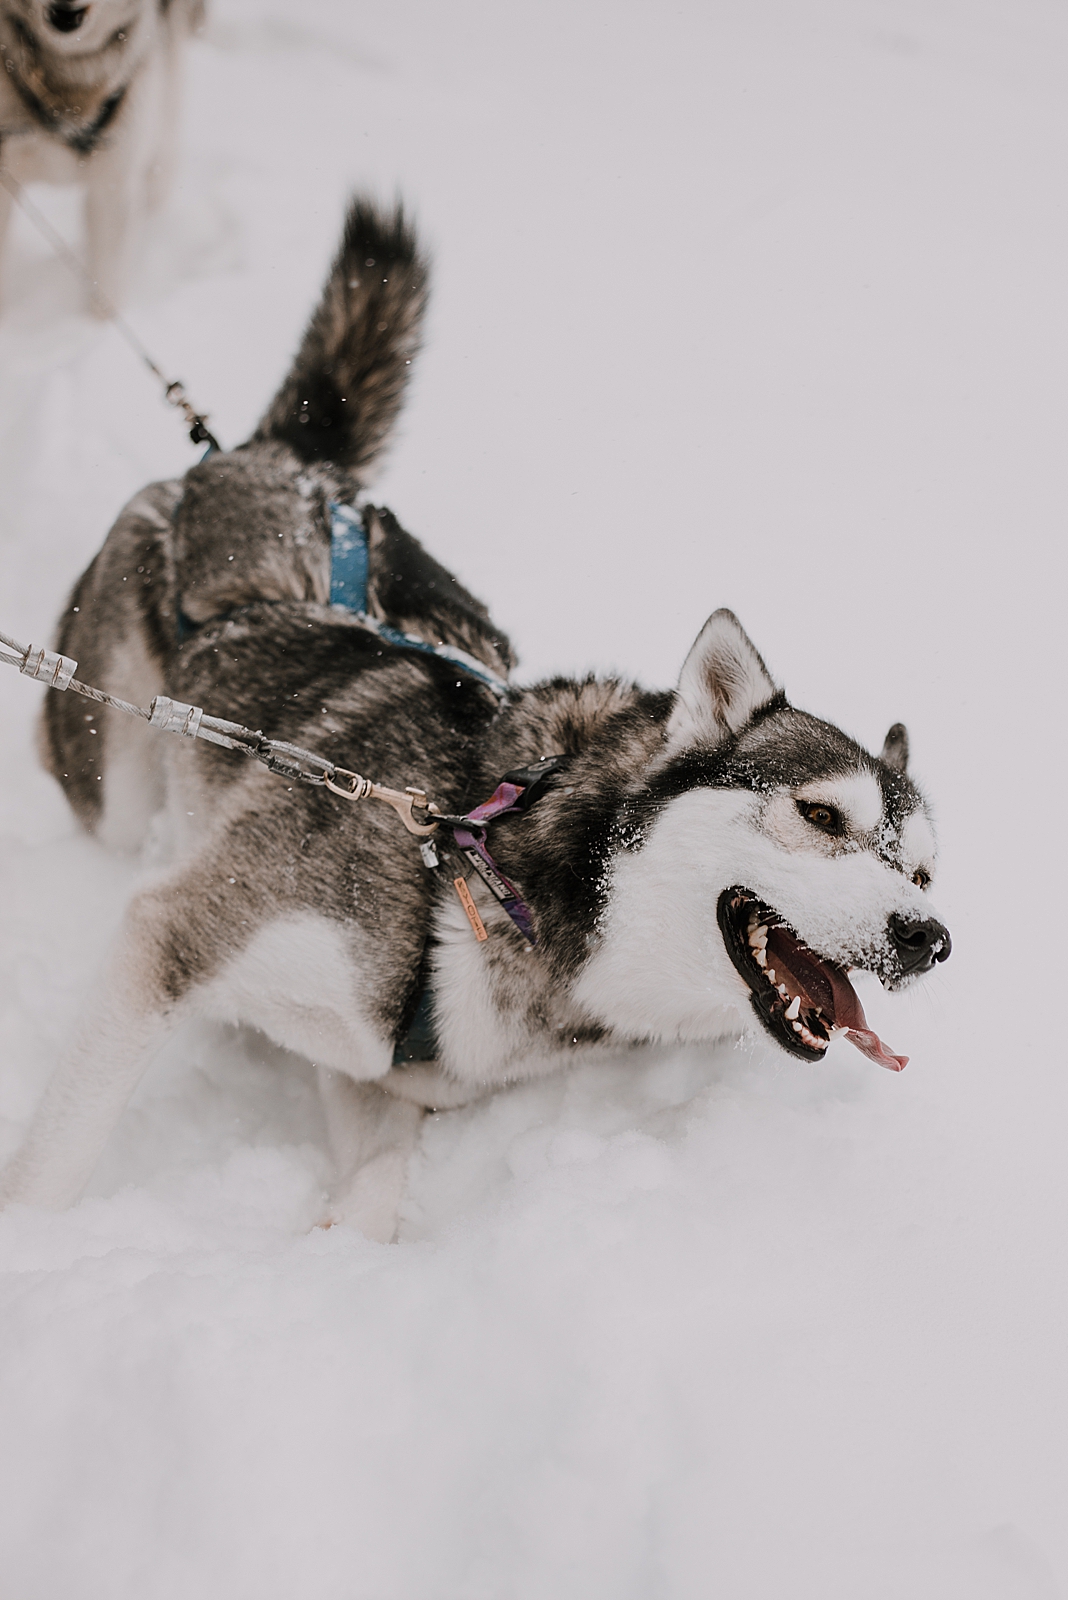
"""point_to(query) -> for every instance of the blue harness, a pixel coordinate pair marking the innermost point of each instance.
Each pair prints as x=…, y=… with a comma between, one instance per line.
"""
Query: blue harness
x=348, y=558
x=349, y=562
x=348, y=589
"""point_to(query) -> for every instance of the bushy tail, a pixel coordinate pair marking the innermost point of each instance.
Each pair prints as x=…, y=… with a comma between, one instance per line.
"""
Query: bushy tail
x=346, y=385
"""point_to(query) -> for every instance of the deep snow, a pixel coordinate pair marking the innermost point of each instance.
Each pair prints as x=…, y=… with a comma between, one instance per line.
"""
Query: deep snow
x=756, y=304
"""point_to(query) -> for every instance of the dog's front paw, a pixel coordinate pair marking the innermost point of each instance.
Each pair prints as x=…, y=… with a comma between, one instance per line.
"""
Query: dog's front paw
x=370, y=1201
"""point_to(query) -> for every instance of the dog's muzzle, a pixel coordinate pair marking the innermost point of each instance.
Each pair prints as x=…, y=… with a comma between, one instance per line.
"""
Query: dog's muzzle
x=802, y=998
x=66, y=18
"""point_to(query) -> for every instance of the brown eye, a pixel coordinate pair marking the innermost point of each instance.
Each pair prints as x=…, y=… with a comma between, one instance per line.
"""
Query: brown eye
x=821, y=816
x=920, y=878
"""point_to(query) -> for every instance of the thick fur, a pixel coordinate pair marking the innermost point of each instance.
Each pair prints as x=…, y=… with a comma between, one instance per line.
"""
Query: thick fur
x=314, y=918
x=342, y=396
x=252, y=525
x=90, y=93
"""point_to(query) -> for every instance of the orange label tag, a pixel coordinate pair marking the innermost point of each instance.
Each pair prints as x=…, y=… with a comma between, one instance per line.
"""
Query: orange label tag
x=460, y=885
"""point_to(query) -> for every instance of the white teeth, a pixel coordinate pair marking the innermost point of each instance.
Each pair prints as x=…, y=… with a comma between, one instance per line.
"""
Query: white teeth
x=797, y=1027
x=771, y=974
x=793, y=1008
x=761, y=958
x=782, y=988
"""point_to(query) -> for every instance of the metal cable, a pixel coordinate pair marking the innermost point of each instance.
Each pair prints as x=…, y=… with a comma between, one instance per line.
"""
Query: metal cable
x=109, y=699
x=277, y=755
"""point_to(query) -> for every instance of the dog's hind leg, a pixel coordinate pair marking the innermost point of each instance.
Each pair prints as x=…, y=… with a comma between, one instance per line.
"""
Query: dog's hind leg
x=212, y=940
x=372, y=1136
x=129, y=1017
x=177, y=937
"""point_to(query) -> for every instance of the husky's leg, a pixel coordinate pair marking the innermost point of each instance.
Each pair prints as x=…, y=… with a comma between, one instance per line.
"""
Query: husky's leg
x=128, y=1020
x=425, y=1086
x=159, y=176
x=372, y=1135
x=111, y=217
x=177, y=936
x=159, y=180
x=116, y=192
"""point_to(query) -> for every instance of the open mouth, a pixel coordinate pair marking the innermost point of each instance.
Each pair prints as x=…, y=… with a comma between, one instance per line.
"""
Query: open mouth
x=801, y=999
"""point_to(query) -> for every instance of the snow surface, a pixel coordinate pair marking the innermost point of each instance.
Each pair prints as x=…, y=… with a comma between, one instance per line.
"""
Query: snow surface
x=759, y=304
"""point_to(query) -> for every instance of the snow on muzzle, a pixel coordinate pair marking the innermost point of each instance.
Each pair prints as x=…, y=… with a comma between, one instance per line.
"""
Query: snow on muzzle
x=801, y=999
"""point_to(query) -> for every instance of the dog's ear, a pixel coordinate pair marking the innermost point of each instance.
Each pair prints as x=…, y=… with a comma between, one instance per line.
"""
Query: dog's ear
x=723, y=683
x=895, y=751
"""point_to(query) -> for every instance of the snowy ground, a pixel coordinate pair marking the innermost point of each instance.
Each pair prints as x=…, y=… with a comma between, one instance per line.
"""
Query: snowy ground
x=758, y=304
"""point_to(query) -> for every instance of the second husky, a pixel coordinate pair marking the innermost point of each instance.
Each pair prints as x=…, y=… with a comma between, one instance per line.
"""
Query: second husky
x=693, y=861
x=90, y=92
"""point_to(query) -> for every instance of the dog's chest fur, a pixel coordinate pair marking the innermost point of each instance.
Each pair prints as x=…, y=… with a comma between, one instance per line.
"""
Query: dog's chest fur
x=63, y=93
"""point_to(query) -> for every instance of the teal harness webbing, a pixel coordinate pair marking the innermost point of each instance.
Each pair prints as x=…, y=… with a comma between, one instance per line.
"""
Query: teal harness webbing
x=348, y=589
x=348, y=559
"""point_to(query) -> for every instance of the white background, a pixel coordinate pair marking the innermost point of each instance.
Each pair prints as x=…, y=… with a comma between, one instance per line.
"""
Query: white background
x=753, y=304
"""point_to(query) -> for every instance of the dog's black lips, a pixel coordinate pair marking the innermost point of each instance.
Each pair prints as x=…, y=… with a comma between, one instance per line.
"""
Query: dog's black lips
x=734, y=911
x=794, y=979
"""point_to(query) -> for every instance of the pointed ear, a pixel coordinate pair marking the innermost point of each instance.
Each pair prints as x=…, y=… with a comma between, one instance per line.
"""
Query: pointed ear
x=895, y=751
x=723, y=682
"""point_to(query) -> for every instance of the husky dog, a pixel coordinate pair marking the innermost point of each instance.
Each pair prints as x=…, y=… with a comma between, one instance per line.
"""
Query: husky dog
x=90, y=92
x=698, y=860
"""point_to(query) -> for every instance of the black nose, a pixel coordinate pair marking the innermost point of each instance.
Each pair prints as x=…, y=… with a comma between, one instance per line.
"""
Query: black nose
x=66, y=19
x=918, y=944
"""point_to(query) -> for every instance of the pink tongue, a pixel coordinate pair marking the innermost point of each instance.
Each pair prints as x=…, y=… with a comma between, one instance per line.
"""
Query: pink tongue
x=849, y=1014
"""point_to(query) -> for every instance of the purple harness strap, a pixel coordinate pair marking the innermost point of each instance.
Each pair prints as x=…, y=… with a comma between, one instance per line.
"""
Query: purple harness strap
x=500, y=803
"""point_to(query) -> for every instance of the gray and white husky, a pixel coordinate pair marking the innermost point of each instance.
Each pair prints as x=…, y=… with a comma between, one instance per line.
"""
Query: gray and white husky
x=89, y=93
x=698, y=861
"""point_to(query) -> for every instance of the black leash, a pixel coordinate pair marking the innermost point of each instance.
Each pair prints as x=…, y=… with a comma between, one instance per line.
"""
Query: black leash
x=173, y=390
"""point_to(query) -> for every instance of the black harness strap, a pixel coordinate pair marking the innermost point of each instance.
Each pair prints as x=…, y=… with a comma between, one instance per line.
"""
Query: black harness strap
x=418, y=1039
